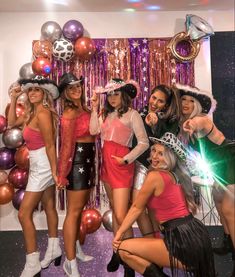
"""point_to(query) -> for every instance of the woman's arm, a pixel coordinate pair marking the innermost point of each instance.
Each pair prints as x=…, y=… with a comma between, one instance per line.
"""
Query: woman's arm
x=197, y=124
x=12, y=119
x=44, y=120
x=94, y=126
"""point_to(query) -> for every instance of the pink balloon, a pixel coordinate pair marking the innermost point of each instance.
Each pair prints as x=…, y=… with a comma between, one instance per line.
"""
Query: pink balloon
x=3, y=176
x=3, y=124
x=18, y=177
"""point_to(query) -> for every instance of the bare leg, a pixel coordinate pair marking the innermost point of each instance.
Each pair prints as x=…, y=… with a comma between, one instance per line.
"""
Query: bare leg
x=28, y=205
x=48, y=202
x=143, y=220
x=76, y=202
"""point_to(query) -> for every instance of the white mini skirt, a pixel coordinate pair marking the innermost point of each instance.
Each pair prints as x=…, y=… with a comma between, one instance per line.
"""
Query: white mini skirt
x=140, y=174
x=40, y=176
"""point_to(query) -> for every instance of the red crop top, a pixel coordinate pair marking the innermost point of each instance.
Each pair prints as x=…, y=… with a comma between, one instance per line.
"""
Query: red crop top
x=33, y=138
x=82, y=125
x=171, y=203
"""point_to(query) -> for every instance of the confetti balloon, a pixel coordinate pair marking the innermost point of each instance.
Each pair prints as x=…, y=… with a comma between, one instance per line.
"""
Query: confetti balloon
x=22, y=157
x=3, y=176
x=13, y=138
x=18, y=177
x=17, y=198
x=6, y=193
x=42, y=48
x=6, y=158
x=91, y=218
x=107, y=220
x=3, y=124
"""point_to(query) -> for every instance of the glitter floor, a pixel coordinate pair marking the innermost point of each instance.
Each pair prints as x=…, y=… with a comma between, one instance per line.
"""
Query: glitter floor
x=12, y=257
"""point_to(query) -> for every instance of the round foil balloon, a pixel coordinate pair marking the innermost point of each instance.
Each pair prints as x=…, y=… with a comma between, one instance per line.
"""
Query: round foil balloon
x=3, y=124
x=6, y=193
x=91, y=218
x=198, y=28
x=63, y=49
x=42, y=48
x=22, y=157
x=3, y=176
x=17, y=198
x=13, y=138
x=22, y=98
x=84, y=48
x=41, y=66
x=26, y=71
x=73, y=29
x=107, y=220
x=20, y=109
x=18, y=177
x=51, y=31
x=6, y=158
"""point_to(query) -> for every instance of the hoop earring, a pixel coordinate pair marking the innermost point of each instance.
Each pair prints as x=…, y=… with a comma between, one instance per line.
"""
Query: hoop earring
x=44, y=102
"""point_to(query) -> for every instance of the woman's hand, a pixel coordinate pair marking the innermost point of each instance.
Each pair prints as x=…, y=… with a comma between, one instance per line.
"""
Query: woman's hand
x=95, y=101
x=117, y=241
x=61, y=182
x=119, y=160
x=151, y=119
x=189, y=126
x=15, y=91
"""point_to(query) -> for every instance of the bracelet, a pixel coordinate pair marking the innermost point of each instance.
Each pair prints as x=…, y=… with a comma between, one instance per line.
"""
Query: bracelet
x=126, y=161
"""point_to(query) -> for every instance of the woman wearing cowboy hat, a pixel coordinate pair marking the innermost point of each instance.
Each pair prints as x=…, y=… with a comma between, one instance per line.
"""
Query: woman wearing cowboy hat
x=118, y=124
x=76, y=168
x=167, y=190
x=200, y=133
x=39, y=126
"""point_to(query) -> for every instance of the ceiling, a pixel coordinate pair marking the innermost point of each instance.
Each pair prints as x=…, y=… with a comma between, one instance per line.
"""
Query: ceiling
x=113, y=5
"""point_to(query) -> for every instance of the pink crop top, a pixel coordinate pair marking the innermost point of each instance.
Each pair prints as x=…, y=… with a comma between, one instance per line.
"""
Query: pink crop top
x=171, y=203
x=33, y=138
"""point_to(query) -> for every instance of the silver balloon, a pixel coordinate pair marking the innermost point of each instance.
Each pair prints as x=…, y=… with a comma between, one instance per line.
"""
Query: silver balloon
x=51, y=31
x=107, y=220
x=198, y=28
x=26, y=71
x=22, y=98
x=13, y=138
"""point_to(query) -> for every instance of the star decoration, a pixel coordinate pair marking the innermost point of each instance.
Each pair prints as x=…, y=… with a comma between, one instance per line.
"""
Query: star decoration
x=116, y=51
x=145, y=89
x=144, y=79
x=88, y=160
x=116, y=42
x=144, y=60
x=173, y=80
x=135, y=44
x=117, y=71
x=80, y=149
x=144, y=68
x=81, y=170
x=145, y=40
x=145, y=50
x=89, y=182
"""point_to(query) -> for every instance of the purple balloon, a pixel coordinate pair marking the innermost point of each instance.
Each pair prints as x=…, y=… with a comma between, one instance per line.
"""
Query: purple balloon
x=6, y=158
x=17, y=198
x=73, y=29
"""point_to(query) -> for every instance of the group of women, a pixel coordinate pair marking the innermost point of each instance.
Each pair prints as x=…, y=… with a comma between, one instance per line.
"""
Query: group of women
x=143, y=162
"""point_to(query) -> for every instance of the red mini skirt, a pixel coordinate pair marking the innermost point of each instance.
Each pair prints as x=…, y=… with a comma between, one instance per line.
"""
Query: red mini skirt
x=114, y=174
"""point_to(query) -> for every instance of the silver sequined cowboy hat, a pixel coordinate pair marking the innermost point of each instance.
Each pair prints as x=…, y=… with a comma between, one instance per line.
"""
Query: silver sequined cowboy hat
x=130, y=87
x=41, y=82
x=172, y=142
x=205, y=98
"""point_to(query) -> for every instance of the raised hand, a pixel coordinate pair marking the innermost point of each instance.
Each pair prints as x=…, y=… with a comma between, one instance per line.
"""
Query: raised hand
x=151, y=119
x=94, y=101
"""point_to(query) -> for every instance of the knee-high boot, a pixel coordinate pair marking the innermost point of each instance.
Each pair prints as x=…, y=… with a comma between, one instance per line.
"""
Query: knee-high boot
x=53, y=253
x=32, y=267
x=153, y=270
x=114, y=263
x=128, y=271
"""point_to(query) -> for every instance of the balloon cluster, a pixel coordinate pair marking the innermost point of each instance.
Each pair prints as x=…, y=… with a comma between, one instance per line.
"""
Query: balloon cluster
x=14, y=157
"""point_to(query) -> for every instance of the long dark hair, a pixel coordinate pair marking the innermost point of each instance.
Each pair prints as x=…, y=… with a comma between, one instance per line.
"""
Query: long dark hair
x=172, y=109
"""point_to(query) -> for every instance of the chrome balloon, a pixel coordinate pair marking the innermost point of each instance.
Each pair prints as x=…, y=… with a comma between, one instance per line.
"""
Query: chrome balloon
x=26, y=71
x=51, y=31
x=107, y=220
x=12, y=138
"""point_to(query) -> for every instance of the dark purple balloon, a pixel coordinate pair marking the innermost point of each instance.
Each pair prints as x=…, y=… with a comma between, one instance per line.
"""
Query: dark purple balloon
x=18, y=177
x=73, y=29
x=17, y=198
x=6, y=158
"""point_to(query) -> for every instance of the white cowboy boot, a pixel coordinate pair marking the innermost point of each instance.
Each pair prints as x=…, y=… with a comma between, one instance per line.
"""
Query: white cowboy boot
x=53, y=253
x=32, y=267
x=80, y=254
x=70, y=268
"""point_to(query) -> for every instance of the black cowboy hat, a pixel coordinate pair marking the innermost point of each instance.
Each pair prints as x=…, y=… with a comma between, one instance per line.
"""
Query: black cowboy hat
x=69, y=79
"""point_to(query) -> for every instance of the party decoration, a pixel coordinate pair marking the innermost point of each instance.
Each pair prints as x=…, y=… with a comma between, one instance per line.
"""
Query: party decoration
x=13, y=138
x=18, y=177
x=183, y=41
x=82, y=233
x=73, y=29
x=41, y=66
x=63, y=49
x=6, y=193
x=42, y=48
x=22, y=157
x=51, y=31
x=84, y=48
x=6, y=158
x=20, y=109
x=22, y=99
x=26, y=71
x=3, y=124
x=91, y=218
x=3, y=176
x=107, y=220
x=198, y=28
x=17, y=198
